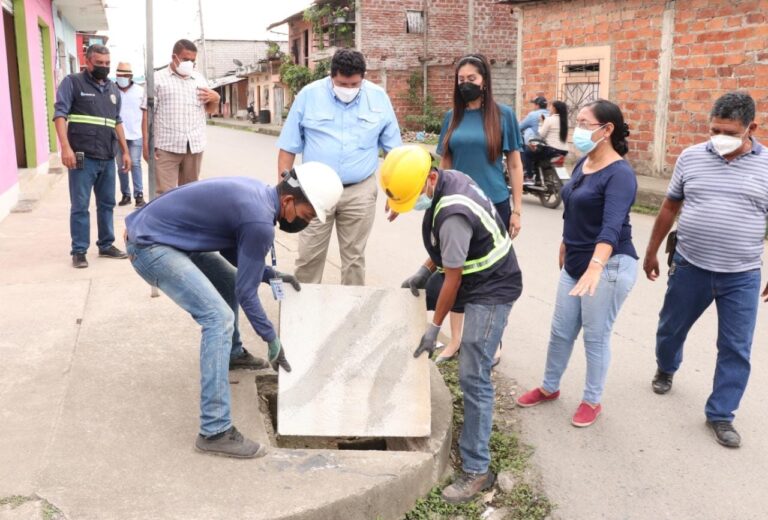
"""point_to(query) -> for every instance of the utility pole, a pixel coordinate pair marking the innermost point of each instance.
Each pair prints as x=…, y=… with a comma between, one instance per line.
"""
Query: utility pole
x=149, y=62
x=202, y=39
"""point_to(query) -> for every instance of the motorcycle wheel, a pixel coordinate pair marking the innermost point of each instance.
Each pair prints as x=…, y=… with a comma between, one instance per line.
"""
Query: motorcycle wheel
x=551, y=198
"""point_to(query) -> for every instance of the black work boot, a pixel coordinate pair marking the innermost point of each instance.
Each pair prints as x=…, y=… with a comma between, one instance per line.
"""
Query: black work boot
x=230, y=443
x=662, y=382
x=79, y=261
x=140, y=200
x=125, y=200
x=725, y=433
x=467, y=486
x=248, y=362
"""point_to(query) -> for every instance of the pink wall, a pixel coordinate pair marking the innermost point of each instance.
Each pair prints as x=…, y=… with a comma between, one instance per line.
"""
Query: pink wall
x=8, y=175
x=39, y=9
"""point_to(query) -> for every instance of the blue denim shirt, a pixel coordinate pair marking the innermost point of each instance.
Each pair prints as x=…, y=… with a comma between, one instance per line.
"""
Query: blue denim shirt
x=346, y=137
x=529, y=126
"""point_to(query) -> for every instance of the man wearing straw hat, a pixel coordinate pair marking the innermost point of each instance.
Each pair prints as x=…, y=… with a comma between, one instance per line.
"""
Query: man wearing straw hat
x=131, y=96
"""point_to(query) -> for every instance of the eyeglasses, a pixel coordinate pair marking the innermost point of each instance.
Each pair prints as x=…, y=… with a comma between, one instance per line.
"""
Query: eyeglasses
x=584, y=125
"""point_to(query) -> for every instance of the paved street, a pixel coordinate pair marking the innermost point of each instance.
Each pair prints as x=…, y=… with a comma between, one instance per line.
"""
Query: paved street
x=74, y=392
x=648, y=455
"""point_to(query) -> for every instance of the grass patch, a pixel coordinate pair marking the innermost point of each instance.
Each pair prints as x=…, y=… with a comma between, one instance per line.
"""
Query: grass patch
x=644, y=210
x=49, y=511
x=524, y=502
x=14, y=500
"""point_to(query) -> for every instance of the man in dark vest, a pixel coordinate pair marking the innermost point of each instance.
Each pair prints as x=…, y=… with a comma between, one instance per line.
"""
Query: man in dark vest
x=87, y=119
x=466, y=238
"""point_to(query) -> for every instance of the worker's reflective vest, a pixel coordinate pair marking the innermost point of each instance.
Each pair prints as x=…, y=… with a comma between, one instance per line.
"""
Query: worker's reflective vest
x=490, y=258
x=92, y=118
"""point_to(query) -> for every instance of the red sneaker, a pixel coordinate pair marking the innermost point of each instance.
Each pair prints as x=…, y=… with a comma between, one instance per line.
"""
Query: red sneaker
x=585, y=415
x=536, y=396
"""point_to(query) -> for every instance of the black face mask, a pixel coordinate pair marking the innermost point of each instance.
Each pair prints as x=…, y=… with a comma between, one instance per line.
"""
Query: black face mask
x=470, y=91
x=100, y=73
x=296, y=226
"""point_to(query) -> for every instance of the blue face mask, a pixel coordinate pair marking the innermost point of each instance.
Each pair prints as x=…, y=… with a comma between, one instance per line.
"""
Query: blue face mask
x=423, y=203
x=582, y=139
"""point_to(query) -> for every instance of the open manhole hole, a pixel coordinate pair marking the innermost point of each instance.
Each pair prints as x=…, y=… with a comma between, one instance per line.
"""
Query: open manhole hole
x=266, y=385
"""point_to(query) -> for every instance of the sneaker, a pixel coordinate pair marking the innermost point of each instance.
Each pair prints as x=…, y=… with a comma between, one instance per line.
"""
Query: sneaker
x=140, y=200
x=585, y=415
x=528, y=181
x=725, y=433
x=112, y=252
x=662, y=382
x=536, y=396
x=467, y=486
x=230, y=443
x=79, y=261
x=248, y=362
x=125, y=200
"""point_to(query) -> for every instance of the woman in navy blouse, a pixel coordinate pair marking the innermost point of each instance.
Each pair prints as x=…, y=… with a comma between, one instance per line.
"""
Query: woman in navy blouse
x=597, y=259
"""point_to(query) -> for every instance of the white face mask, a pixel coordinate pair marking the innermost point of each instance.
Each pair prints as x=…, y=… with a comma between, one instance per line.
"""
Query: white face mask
x=123, y=82
x=726, y=144
x=185, y=68
x=346, y=94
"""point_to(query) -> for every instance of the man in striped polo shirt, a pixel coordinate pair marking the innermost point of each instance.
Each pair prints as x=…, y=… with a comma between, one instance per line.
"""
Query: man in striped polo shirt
x=721, y=186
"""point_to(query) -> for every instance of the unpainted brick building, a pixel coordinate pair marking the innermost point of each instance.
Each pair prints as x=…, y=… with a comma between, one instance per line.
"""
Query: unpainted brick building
x=664, y=62
x=406, y=41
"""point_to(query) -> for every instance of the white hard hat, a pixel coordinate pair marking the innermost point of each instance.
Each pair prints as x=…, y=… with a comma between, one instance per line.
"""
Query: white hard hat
x=321, y=184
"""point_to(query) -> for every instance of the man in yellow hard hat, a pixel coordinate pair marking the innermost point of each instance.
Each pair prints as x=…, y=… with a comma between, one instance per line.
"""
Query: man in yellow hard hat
x=465, y=237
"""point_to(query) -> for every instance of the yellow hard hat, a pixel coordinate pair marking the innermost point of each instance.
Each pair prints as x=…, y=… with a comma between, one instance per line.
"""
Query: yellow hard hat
x=403, y=174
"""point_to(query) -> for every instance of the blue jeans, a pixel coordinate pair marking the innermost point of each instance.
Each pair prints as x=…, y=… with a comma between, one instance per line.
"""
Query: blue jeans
x=99, y=176
x=595, y=314
x=690, y=290
x=483, y=328
x=134, y=149
x=203, y=284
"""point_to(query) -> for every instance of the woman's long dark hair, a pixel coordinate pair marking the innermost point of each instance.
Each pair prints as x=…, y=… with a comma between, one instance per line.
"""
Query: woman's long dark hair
x=491, y=113
x=606, y=112
x=562, y=111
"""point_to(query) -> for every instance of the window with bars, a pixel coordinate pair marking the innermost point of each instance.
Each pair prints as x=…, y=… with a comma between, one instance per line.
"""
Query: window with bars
x=579, y=85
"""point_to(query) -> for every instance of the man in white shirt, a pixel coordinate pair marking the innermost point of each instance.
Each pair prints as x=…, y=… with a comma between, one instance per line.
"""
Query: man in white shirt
x=182, y=99
x=131, y=97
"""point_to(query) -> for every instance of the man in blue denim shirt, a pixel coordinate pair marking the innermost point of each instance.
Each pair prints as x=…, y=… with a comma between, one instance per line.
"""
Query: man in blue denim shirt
x=341, y=121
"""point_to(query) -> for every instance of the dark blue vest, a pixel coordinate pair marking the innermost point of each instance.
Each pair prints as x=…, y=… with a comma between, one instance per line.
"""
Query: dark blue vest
x=491, y=274
x=92, y=118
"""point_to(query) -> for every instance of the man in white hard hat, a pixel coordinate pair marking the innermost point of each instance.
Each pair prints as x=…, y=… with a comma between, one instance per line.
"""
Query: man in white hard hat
x=204, y=245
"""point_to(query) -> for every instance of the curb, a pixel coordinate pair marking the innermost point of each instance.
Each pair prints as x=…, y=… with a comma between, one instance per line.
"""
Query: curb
x=253, y=129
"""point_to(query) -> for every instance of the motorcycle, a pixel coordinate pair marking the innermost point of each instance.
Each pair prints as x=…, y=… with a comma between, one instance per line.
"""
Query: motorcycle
x=549, y=176
x=252, y=116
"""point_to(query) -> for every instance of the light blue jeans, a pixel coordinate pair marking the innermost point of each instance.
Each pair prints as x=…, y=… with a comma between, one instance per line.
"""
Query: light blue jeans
x=203, y=284
x=595, y=314
x=134, y=149
x=483, y=328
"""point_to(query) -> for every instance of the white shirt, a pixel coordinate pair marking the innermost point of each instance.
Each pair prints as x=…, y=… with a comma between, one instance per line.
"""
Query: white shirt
x=130, y=111
x=549, y=130
x=179, y=113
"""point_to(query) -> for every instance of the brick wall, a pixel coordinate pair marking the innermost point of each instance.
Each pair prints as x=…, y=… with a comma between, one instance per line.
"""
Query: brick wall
x=219, y=54
x=396, y=54
x=718, y=46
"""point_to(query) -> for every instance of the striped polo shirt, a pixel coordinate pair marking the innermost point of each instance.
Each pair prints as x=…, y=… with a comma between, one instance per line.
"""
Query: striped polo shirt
x=723, y=220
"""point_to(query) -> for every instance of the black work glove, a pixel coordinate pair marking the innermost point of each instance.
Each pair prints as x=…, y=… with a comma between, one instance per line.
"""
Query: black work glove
x=418, y=280
x=428, y=341
x=289, y=278
x=276, y=355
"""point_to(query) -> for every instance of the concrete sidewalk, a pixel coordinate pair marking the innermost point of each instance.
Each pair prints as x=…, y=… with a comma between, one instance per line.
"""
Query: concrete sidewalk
x=99, y=400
